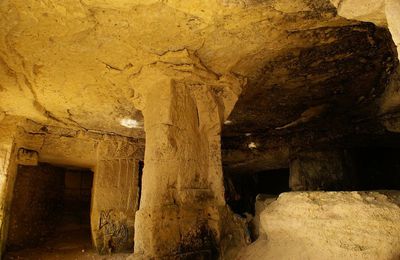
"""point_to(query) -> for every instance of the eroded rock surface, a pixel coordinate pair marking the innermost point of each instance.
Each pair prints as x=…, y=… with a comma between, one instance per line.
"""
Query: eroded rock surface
x=303, y=73
x=384, y=13
x=330, y=225
x=70, y=63
x=182, y=182
x=114, y=160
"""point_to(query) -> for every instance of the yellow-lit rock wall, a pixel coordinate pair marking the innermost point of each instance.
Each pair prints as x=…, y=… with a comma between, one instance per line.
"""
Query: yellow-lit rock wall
x=115, y=196
x=329, y=225
x=384, y=13
x=114, y=160
x=183, y=192
x=7, y=176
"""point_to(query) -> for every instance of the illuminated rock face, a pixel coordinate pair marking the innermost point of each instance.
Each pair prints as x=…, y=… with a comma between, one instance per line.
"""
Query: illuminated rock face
x=330, y=225
x=7, y=177
x=87, y=81
x=113, y=159
x=382, y=13
x=115, y=196
x=182, y=181
x=70, y=63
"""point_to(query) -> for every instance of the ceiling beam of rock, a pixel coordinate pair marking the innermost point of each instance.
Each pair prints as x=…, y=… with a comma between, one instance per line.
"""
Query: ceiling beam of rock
x=69, y=62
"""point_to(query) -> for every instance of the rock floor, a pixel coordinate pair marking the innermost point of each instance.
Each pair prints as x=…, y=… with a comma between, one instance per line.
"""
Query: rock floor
x=68, y=244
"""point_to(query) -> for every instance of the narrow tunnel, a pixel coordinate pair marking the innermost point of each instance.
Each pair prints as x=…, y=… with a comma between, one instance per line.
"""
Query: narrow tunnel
x=241, y=189
x=50, y=209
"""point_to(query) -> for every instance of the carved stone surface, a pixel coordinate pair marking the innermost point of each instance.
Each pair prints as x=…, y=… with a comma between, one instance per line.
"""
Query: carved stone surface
x=115, y=197
x=8, y=167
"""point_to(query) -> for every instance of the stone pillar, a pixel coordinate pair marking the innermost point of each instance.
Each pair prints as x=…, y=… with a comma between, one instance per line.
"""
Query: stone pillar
x=182, y=202
x=320, y=170
x=114, y=196
x=8, y=169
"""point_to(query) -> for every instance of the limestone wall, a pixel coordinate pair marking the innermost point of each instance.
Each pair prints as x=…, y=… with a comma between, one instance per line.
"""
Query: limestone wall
x=115, y=196
x=113, y=158
x=7, y=176
x=320, y=169
x=380, y=12
x=330, y=225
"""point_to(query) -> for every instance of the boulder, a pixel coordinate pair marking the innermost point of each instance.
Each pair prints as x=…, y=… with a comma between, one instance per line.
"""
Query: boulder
x=330, y=225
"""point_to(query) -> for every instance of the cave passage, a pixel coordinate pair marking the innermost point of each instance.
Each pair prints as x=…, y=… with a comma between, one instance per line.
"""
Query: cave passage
x=242, y=189
x=376, y=168
x=50, y=210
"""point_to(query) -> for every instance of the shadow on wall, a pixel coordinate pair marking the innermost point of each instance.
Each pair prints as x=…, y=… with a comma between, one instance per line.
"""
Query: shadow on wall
x=376, y=168
x=363, y=168
x=242, y=189
x=48, y=202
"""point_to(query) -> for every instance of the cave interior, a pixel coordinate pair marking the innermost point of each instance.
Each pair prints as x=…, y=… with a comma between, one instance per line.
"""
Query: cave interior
x=200, y=129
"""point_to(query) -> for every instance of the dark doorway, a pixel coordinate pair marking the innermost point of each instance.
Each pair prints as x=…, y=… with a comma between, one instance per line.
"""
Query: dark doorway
x=140, y=177
x=376, y=168
x=242, y=189
x=50, y=209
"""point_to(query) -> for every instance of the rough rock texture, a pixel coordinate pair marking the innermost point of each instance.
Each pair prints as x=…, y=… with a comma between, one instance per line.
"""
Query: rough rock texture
x=392, y=10
x=37, y=202
x=315, y=92
x=330, y=225
x=320, y=170
x=78, y=148
x=92, y=70
x=262, y=201
x=182, y=181
x=380, y=12
x=69, y=62
x=363, y=10
x=27, y=157
x=390, y=100
x=115, y=197
x=332, y=100
x=8, y=167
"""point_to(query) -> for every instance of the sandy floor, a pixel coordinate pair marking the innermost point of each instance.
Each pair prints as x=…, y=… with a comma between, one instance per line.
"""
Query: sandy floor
x=69, y=244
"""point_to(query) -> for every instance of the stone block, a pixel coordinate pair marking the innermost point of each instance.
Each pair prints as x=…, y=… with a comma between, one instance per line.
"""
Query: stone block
x=114, y=204
x=330, y=225
x=28, y=157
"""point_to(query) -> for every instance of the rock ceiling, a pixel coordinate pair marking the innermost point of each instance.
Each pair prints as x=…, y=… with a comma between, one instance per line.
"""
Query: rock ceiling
x=69, y=62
